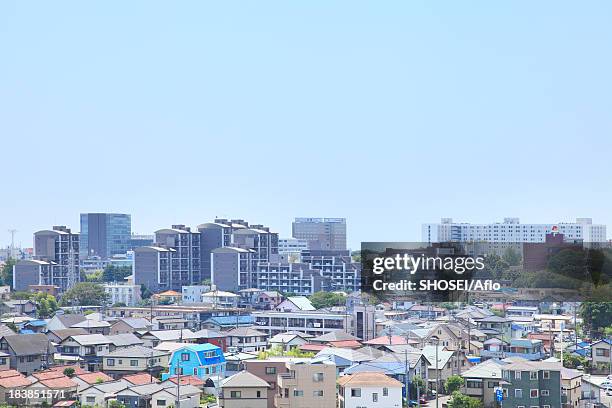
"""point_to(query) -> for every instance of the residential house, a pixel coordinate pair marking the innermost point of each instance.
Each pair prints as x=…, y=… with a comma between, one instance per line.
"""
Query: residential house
x=211, y=336
x=571, y=387
x=307, y=385
x=369, y=389
x=100, y=394
x=268, y=370
x=64, y=321
x=426, y=311
x=50, y=388
x=220, y=298
x=480, y=381
x=287, y=341
x=528, y=384
x=495, y=326
x=529, y=349
x=92, y=326
x=27, y=352
x=229, y=322
x=89, y=347
x=130, y=325
x=10, y=381
x=169, y=323
x=600, y=353
x=152, y=338
x=448, y=363
x=267, y=300
x=205, y=361
x=140, y=378
x=235, y=361
x=341, y=358
x=18, y=307
x=59, y=335
x=134, y=359
x=86, y=380
x=295, y=304
x=247, y=339
x=243, y=390
x=124, y=340
x=168, y=394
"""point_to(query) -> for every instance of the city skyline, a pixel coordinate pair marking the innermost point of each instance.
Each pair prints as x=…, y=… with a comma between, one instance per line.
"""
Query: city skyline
x=181, y=113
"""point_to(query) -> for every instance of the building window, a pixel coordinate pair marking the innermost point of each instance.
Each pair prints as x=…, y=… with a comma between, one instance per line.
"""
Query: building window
x=374, y=397
x=161, y=403
x=385, y=392
x=270, y=370
x=546, y=375
x=110, y=362
x=534, y=393
x=355, y=392
x=317, y=393
x=235, y=394
x=258, y=394
x=545, y=406
x=518, y=393
x=317, y=377
x=517, y=375
x=533, y=375
x=195, y=371
x=545, y=393
x=90, y=400
x=298, y=393
x=134, y=363
x=184, y=356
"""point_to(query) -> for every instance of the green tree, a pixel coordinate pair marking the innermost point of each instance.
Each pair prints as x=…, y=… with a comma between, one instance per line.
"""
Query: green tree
x=277, y=350
x=453, y=383
x=69, y=372
x=46, y=304
x=459, y=400
x=6, y=273
x=326, y=299
x=495, y=265
x=85, y=294
x=596, y=317
x=512, y=257
x=145, y=293
x=115, y=404
x=115, y=273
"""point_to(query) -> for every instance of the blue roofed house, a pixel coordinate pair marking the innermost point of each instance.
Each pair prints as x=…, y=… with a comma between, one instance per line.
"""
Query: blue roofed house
x=529, y=349
x=205, y=361
x=229, y=322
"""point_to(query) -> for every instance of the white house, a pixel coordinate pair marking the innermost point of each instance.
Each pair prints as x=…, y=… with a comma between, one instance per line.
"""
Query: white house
x=369, y=389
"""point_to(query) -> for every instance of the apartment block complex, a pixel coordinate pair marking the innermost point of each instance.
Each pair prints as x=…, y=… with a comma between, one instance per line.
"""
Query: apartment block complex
x=321, y=233
x=105, y=234
x=55, y=263
x=512, y=231
x=337, y=267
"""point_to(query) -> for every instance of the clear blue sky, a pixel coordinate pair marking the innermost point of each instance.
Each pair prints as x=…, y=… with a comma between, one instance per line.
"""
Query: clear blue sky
x=389, y=114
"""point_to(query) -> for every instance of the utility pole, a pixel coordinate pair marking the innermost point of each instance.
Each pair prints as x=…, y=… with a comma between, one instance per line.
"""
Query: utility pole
x=178, y=375
x=406, y=378
x=437, y=375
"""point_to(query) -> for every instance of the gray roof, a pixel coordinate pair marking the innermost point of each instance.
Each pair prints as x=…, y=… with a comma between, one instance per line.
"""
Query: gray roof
x=168, y=335
x=29, y=344
x=5, y=330
x=136, y=352
x=69, y=319
x=90, y=339
x=124, y=339
x=244, y=379
x=136, y=322
x=63, y=334
x=113, y=386
x=208, y=334
x=245, y=332
x=88, y=324
x=488, y=369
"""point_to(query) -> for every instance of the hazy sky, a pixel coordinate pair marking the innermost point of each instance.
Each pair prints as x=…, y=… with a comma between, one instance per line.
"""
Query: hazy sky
x=387, y=113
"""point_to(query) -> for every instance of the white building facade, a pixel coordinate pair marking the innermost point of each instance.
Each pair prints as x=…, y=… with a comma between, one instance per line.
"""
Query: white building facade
x=511, y=230
x=122, y=293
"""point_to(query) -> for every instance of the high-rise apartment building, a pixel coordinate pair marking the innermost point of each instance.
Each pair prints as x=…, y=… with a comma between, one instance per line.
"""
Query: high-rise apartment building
x=337, y=267
x=153, y=267
x=213, y=235
x=61, y=247
x=105, y=234
x=321, y=233
x=511, y=230
x=186, y=256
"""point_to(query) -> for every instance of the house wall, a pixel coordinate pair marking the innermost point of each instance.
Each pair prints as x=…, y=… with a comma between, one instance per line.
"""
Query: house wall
x=251, y=397
x=394, y=399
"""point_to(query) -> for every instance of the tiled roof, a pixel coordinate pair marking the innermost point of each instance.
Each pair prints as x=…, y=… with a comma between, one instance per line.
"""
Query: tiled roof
x=365, y=379
x=140, y=379
x=59, y=382
x=93, y=378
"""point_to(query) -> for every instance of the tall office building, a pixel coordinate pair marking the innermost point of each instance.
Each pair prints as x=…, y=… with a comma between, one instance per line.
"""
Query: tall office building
x=511, y=230
x=321, y=233
x=140, y=240
x=105, y=234
x=61, y=247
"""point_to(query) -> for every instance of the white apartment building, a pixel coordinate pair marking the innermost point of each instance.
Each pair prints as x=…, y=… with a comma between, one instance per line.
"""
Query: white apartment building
x=511, y=230
x=124, y=293
x=292, y=246
x=193, y=293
